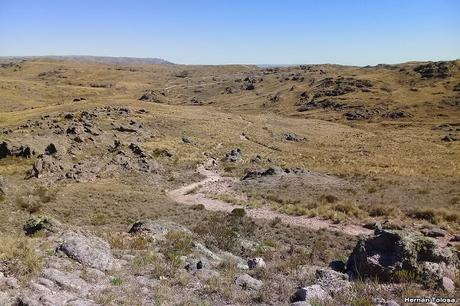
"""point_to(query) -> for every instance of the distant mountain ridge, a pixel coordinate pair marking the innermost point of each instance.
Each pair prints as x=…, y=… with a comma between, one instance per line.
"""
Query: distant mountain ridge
x=93, y=59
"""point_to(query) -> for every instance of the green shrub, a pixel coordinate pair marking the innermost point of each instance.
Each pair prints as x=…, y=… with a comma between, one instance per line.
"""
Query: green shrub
x=116, y=281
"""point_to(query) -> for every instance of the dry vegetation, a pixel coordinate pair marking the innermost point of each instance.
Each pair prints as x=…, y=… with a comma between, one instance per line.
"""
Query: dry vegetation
x=397, y=170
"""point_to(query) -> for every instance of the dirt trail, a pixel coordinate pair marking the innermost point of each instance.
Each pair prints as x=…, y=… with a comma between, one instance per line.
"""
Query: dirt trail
x=191, y=195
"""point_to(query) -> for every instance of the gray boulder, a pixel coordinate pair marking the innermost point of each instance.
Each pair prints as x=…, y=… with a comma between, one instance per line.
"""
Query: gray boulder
x=310, y=294
x=90, y=251
x=386, y=253
x=245, y=281
x=55, y=288
x=447, y=284
x=331, y=281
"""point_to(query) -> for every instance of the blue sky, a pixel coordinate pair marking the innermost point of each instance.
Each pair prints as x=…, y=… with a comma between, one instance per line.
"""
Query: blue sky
x=223, y=32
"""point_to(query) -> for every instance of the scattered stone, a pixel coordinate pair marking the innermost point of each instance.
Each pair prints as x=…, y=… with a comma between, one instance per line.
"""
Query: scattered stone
x=69, y=116
x=447, y=284
x=293, y=137
x=448, y=127
x=234, y=155
x=136, y=149
x=449, y=138
x=256, y=159
x=50, y=149
x=126, y=129
x=249, y=86
x=323, y=104
x=195, y=265
x=313, y=293
x=154, y=96
x=397, y=114
x=360, y=114
x=186, y=140
x=275, y=98
x=256, y=263
x=195, y=101
x=75, y=130
x=272, y=171
x=246, y=282
x=295, y=170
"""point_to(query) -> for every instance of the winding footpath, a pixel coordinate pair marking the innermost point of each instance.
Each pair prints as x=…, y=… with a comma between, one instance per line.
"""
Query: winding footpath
x=191, y=195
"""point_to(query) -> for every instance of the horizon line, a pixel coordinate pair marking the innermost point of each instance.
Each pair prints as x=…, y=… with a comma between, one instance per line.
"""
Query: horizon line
x=226, y=64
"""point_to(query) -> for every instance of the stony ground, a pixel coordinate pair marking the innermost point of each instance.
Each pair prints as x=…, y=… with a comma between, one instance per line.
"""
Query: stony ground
x=197, y=185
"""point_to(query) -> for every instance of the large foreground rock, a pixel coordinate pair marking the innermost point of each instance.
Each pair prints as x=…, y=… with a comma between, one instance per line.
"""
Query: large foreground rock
x=90, y=251
x=390, y=253
x=57, y=288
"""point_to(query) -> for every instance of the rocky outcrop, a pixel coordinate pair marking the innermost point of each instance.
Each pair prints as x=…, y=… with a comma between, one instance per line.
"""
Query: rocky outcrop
x=331, y=87
x=45, y=164
x=433, y=70
x=154, y=96
x=397, y=114
x=90, y=251
x=363, y=113
x=272, y=171
x=7, y=149
x=322, y=104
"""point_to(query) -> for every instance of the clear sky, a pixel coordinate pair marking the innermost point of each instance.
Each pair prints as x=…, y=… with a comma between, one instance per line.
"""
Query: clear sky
x=235, y=31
